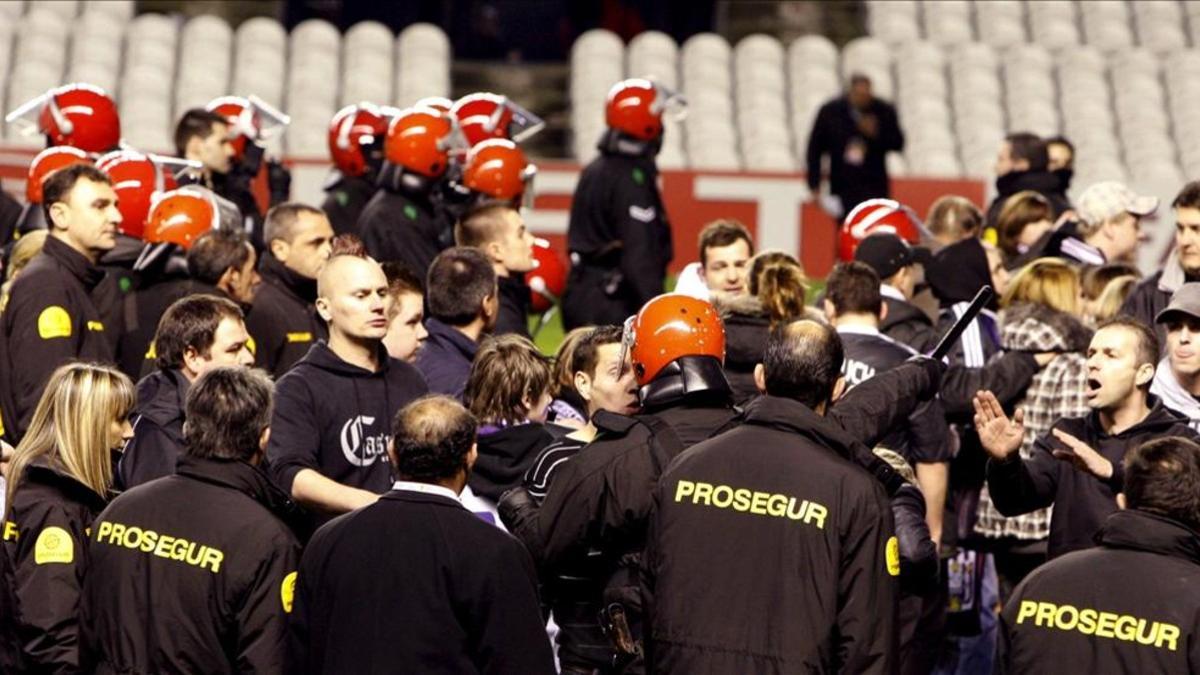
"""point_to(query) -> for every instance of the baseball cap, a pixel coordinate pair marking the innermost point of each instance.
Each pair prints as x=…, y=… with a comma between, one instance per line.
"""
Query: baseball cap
x=887, y=254
x=1186, y=300
x=1109, y=199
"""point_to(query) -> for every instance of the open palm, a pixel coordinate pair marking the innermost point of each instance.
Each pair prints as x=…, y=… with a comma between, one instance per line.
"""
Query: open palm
x=999, y=435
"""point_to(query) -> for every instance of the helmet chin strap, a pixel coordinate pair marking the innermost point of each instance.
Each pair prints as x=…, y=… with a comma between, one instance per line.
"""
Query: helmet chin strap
x=619, y=143
x=684, y=379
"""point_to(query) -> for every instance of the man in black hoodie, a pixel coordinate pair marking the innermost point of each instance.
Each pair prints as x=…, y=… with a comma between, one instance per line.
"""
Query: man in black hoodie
x=500, y=233
x=329, y=431
x=196, y=334
x=1077, y=466
x=1023, y=164
x=1130, y=604
x=282, y=321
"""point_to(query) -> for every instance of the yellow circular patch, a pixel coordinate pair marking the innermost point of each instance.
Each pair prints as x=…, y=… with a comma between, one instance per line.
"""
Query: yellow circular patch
x=893, y=556
x=53, y=545
x=54, y=322
x=287, y=592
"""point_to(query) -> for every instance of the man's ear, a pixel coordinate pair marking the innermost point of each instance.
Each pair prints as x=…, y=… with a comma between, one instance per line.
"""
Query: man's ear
x=280, y=249
x=583, y=385
x=882, y=312
x=839, y=388
x=192, y=360
x=264, y=438
x=760, y=378
x=322, y=305
x=493, y=251
x=830, y=311
x=1121, y=503
x=391, y=452
x=472, y=455
x=1144, y=375
x=58, y=216
x=227, y=280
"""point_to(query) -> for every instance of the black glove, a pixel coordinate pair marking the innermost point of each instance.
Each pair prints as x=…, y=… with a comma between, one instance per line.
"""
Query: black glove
x=934, y=370
x=279, y=182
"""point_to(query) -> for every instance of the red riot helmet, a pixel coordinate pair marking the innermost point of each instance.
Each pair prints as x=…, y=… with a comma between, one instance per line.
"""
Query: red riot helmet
x=356, y=133
x=137, y=178
x=669, y=327
x=496, y=170
x=484, y=116
x=635, y=107
x=47, y=162
x=874, y=216
x=548, y=278
x=79, y=115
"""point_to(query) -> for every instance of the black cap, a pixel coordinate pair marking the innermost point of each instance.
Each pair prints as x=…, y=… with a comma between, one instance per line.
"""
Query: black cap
x=887, y=254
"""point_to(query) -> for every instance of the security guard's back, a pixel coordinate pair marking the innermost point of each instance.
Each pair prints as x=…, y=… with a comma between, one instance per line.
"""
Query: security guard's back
x=1131, y=605
x=194, y=572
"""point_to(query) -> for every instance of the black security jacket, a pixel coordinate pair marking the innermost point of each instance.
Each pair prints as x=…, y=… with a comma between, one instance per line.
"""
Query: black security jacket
x=283, y=322
x=754, y=583
x=51, y=318
x=1110, y=604
x=416, y=583
x=157, y=429
x=191, y=574
x=514, y=306
x=42, y=568
x=345, y=199
x=404, y=225
x=1081, y=501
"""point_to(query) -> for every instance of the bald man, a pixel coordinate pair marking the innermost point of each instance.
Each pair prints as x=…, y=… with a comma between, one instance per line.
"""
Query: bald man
x=333, y=409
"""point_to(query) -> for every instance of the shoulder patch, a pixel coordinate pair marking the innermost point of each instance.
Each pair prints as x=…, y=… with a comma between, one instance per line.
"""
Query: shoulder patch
x=639, y=176
x=54, y=322
x=53, y=545
x=287, y=592
x=893, y=556
x=642, y=214
x=410, y=211
x=342, y=198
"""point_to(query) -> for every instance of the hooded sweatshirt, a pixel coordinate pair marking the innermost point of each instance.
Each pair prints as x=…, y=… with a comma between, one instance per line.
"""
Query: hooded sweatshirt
x=1081, y=501
x=1167, y=388
x=956, y=275
x=335, y=418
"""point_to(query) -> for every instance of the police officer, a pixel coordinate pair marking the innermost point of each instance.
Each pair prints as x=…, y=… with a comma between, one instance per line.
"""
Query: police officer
x=618, y=235
x=52, y=314
x=402, y=223
x=356, y=137
x=194, y=572
x=283, y=320
x=595, y=510
x=768, y=546
x=59, y=478
x=1131, y=604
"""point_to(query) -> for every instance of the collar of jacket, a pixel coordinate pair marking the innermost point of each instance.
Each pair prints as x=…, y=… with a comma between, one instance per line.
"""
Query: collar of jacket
x=1144, y=531
x=792, y=416
x=688, y=380
x=902, y=311
x=613, y=142
x=321, y=356
x=1169, y=390
x=514, y=285
x=76, y=263
x=161, y=396
x=1173, y=275
x=397, y=180
x=1038, y=181
x=46, y=471
x=449, y=335
x=245, y=478
x=288, y=280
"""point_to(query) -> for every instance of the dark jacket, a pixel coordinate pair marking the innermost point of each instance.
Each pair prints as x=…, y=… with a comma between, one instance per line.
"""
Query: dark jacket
x=514, y=306
x=157, y=429
x=345, y=199
x=924, y=436
x=1130, y=605
x=619, y=236
x=51, y=318
x=10, y=215
x=956, y=274
x=746, y=327
x=192, y=573
x=1063, y=242
x=415, y=582
x=505, y=454
x=771, y=551
x=283, y=322
x=235, y=187
x=42, y=568
x=1153, y=294
x=834, y=132
x=445, y=359
x=336, y=418
x=1081, y=501
x=402, y=224
x=907, y=324
x=1045, y=183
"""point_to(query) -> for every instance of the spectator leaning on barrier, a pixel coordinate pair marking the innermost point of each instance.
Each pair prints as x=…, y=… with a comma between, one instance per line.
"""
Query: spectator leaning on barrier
x=1154, y=293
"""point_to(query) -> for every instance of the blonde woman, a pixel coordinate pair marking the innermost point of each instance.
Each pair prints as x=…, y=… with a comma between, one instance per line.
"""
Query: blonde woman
x=1040, y=310
x=58, y=482
x=24, y=250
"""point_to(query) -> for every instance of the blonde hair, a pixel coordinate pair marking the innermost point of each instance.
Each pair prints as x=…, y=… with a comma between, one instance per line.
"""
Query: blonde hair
x=1019, y=211
x=1108, y=305
x=953, y=218
x=71, y=426
x=777, y=280
x=507, y=370
x=1047, y=281
x=24, y=250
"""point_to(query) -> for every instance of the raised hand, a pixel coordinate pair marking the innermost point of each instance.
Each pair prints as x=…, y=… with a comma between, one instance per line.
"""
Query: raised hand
x=999, y=435
x=1082, y=456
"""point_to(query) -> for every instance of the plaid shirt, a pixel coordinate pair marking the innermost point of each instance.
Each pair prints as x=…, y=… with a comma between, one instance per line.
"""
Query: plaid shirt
x=1057, y=391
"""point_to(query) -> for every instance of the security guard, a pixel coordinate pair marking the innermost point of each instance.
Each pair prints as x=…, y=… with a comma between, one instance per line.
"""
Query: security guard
x=402, y=223
x=195, y=572
x=770, y=549
x=52, y=315
x=619, y=235
x=595, y=510
x=1130, y=605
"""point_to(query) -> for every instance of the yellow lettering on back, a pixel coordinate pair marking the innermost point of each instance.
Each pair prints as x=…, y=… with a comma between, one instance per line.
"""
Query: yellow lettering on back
x=165, y=546
x=755, y=502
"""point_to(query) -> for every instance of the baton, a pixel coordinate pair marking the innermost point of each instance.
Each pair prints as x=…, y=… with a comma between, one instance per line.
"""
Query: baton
x=943, y=346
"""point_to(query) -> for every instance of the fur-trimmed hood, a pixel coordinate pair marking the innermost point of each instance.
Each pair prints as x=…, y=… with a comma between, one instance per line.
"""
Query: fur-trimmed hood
x=1033, y=327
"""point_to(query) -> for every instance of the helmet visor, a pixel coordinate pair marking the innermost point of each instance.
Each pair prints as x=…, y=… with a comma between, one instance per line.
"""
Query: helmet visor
x=524, y=123
x=668, y=102
x=25, y=116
